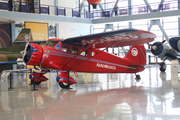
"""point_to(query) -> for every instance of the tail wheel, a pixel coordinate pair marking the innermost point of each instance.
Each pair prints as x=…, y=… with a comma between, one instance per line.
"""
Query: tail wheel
x=63, y=85
x=138, y=78
x=162, y=67
x=36, y=83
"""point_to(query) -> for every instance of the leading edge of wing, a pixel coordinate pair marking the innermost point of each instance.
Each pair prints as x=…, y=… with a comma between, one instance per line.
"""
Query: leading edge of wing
x=9, y=62
x=122, y=37
x=24, y=42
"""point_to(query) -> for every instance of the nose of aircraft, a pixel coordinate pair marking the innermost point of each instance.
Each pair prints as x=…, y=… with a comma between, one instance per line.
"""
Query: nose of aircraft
x=33, y=54
x=154, y=47
x=157, y=48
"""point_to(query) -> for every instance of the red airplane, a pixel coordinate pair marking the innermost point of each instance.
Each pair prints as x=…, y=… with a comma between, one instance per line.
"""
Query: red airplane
x=83, y=54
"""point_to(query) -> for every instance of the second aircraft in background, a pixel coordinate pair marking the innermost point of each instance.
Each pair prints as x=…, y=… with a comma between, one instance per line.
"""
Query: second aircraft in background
x=167, y=51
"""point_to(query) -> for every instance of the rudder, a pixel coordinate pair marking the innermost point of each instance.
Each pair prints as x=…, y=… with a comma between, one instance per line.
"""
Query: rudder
x=24, y=35
x=137, y=55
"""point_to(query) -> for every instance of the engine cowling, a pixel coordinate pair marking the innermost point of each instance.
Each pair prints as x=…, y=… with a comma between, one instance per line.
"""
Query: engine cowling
x=159, y=49
x=33, y=55
x=175, y=43
x=38, y=77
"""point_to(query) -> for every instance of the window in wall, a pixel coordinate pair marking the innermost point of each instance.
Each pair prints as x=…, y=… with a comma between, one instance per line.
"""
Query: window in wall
x=65, y=48
x=74, y=50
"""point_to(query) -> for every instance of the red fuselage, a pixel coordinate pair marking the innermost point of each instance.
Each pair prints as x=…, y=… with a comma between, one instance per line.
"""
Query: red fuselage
x=67, y=57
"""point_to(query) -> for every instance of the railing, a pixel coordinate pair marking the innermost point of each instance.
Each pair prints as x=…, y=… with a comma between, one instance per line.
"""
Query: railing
x=93, y=14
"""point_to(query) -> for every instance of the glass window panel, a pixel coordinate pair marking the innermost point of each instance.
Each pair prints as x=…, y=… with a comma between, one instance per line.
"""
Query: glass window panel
x=65, y=48
x=74, y=50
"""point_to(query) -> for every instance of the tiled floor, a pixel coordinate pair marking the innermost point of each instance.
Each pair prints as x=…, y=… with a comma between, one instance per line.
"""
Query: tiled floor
x=95, y=97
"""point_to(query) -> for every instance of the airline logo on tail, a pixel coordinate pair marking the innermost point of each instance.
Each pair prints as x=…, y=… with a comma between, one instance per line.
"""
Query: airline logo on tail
x=134, y=52
x=26, y=37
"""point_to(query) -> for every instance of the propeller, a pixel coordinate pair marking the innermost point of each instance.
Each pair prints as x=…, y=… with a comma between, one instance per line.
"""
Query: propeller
x=27, y=43
x=157, y=47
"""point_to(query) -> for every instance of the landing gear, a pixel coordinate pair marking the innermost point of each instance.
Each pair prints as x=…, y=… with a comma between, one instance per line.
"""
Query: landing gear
x=64, y=85
x=162, y=67
x=138, y=78
x=64, y=80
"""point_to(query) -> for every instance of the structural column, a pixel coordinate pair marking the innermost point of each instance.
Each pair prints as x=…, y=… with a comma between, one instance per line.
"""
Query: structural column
x=13, y=31
x=57, y=25
x=179, y=18
x=130, y=11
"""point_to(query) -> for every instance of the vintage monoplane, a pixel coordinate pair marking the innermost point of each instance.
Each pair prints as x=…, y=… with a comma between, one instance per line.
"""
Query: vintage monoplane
x=83, y=54
x=166, y=51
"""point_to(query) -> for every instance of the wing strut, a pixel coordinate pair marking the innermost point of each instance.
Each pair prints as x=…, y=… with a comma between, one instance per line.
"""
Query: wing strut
x=81, y=52
x=95, y=55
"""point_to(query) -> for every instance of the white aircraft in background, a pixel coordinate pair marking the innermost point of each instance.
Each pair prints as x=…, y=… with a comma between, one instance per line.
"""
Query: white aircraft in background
x=167, y=51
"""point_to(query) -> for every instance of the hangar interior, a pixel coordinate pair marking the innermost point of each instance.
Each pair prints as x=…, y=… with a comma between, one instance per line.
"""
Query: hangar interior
x=108, y=96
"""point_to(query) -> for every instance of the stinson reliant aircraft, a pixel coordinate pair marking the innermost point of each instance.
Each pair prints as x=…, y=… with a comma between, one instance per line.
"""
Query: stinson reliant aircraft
x=83, y=54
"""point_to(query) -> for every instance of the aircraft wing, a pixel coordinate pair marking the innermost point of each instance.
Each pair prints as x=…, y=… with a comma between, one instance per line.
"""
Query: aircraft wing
x=24, y=42
x=123, y=37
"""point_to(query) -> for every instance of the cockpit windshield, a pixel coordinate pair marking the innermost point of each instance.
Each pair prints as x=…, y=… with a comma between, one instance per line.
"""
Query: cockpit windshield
x=51, y=43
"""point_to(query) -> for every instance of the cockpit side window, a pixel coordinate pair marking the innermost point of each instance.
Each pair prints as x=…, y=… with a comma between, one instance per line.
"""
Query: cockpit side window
x=84, y=53
x=74, y=50
x=51, y=43
x=58, y=46
x=65, y=48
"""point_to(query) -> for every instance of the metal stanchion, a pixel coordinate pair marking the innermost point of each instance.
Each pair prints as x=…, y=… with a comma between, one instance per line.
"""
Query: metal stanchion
x=11, y=88
x=34, y=82
x=68, y=86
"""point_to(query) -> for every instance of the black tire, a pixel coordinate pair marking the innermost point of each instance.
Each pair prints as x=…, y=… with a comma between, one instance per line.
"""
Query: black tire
x=138, y=78
x=62, y=85
x=162, y=67
x=36, y=83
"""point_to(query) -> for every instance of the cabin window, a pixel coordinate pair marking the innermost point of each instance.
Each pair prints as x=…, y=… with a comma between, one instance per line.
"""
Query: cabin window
x=51, y=43
x=58, y=47
x=74, y=50
x=84, y=53
x=65, y=48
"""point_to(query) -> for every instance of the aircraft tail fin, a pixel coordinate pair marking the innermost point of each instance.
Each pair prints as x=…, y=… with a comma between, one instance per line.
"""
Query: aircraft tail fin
x=24, y=35
x=20, y=41
x=137, y=55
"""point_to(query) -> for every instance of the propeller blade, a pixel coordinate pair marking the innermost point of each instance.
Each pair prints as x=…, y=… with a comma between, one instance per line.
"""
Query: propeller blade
x=27, y=43
x=25, y=50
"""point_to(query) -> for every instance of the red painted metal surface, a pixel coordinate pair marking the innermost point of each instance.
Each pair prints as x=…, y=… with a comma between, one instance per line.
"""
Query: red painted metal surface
x=39, y=77
x=101, y=63
x=94, y=3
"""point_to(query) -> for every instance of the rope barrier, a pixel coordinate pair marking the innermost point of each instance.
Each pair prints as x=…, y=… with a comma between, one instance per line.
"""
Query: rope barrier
x=28, y=71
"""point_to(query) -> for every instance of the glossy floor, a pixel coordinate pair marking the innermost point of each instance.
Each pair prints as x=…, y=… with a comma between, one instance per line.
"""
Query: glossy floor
x=95, y=97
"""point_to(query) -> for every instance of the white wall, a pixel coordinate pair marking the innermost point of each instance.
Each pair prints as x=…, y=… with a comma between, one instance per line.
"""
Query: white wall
x=61, y=3
x=67, y=30
x=47, y=2
x=67, y=3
